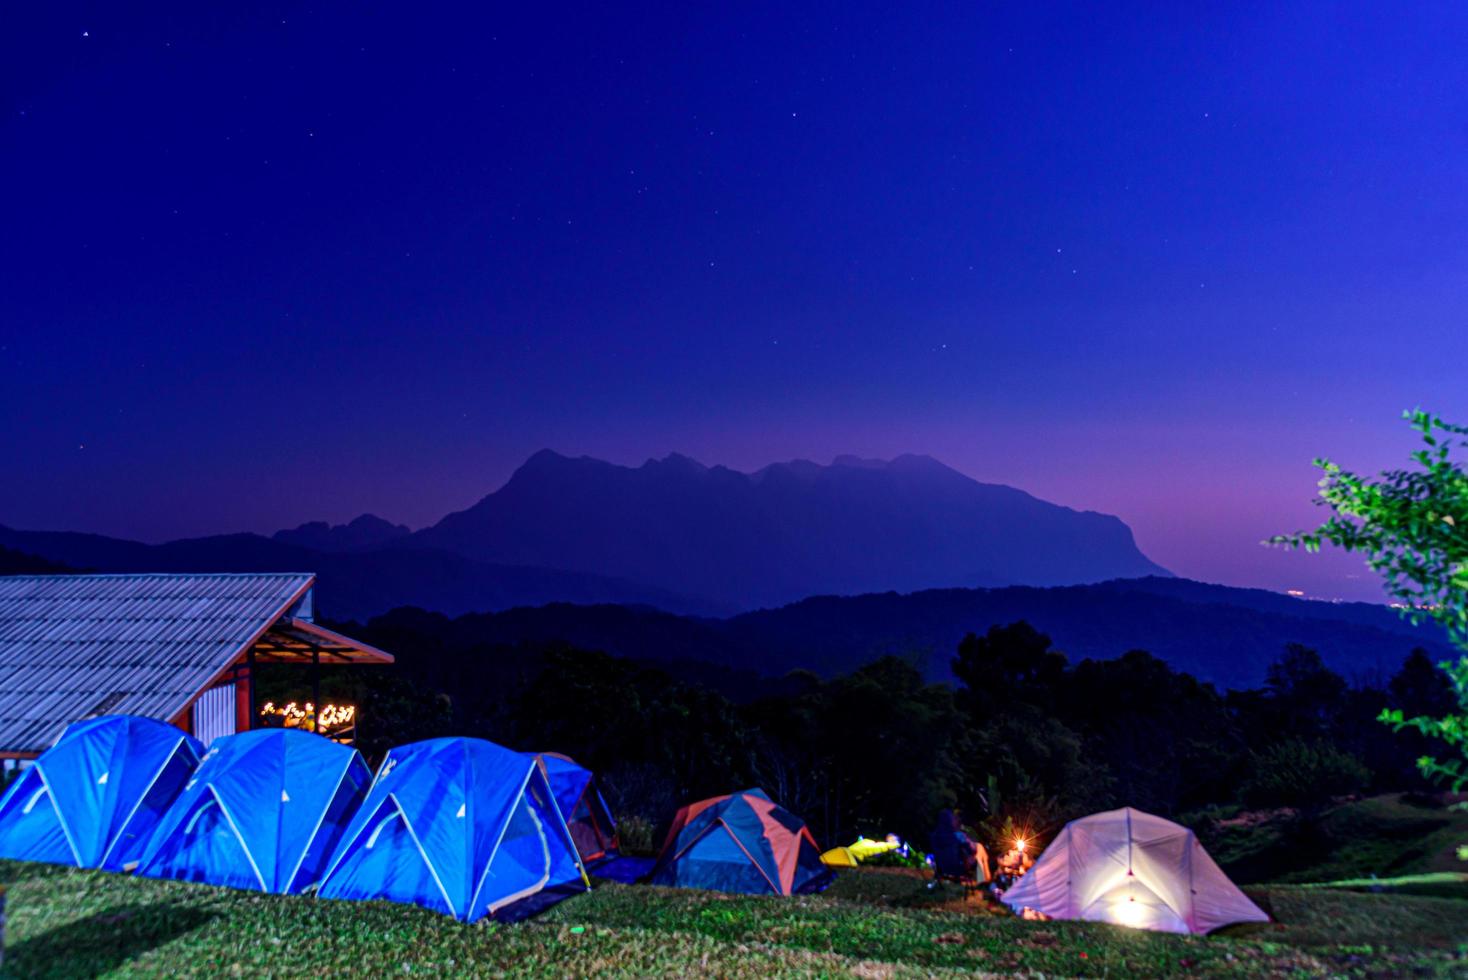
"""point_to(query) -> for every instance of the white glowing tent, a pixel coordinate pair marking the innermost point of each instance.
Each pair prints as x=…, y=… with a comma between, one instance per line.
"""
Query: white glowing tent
x=1133, y=869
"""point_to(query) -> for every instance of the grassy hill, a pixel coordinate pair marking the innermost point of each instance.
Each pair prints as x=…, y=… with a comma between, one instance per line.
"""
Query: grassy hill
x=1391, y=837
x=68, y=923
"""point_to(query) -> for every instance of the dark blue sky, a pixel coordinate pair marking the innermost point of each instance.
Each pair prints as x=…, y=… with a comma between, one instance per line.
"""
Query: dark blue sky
x=306, y=261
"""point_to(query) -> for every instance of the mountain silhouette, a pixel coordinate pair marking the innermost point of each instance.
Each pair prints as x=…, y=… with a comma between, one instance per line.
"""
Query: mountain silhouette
x=1224, y=634
x=363, y=533
x=787, y=531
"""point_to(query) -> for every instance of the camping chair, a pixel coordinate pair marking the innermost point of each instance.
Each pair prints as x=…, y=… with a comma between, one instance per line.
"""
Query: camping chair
x=948, y=865
x=956, y=856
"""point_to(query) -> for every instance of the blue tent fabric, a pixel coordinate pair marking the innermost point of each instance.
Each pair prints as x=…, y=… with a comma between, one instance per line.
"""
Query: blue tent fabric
x=94, y=798
x=586, y=813
x=263, y=811
x=623, y=869
x=461, y=826
x=568, y=780
x=743, y=842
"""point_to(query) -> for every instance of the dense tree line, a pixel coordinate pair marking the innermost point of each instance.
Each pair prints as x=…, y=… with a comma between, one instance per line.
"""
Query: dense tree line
x=1024, y=740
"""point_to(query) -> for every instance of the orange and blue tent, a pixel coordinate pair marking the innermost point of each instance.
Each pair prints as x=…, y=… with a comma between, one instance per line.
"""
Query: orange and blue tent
x=744, y=842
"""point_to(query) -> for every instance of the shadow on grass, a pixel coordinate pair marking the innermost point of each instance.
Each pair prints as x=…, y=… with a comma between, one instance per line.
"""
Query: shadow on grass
x=12, y=872
x=906, y=888
x=94, y=945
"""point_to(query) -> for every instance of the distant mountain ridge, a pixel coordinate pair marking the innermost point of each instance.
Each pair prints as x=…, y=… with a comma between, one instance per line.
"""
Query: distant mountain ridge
x=351, y=584
x=786, y=531
x=1224, y=634
x=673, y=533
x=1221, y=634
x=362, y=534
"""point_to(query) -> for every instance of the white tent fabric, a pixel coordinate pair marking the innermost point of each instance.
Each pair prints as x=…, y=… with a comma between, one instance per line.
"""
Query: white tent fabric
x=1132, y=869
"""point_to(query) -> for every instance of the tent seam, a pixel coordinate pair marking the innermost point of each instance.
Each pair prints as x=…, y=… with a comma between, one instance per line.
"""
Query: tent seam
x=60, y=818
x=219, y=800
x=346, y=845
x=180, y=744
x=494, y=907
x=423, y=853
x=319, y=821
x=740, y=844
x=499, y=839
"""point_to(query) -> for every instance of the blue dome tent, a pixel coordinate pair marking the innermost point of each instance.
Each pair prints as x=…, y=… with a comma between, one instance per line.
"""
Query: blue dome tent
x=93, y=799
x=461, y=826
x=263, y=812
x=586, y=813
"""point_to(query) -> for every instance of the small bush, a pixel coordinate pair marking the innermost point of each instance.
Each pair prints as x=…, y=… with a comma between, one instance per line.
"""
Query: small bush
x=1301, y=773
x=636, y=835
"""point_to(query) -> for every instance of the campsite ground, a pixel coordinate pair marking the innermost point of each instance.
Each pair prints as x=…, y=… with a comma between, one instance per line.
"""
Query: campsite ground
x=1332, y=918
x=68, y=923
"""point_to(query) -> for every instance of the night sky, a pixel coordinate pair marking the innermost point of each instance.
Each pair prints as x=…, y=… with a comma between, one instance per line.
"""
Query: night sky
x=305, y=261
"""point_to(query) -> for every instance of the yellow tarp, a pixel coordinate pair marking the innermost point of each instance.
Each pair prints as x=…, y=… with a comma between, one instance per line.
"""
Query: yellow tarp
x=850, y=857
x=864, y=848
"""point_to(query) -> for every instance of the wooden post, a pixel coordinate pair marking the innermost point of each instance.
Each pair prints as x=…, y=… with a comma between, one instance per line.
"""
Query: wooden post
x=250, y=687
x=241, y=684
x=315, y=688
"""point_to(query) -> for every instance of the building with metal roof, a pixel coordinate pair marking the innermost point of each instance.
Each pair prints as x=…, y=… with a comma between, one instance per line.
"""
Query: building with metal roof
x=180, y=648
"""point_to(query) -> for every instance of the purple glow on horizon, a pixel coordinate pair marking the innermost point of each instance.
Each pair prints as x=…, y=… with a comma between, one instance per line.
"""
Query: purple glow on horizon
x=1146, y=264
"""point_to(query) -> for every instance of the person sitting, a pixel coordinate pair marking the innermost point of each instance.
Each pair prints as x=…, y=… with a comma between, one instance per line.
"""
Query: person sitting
x=955, y=854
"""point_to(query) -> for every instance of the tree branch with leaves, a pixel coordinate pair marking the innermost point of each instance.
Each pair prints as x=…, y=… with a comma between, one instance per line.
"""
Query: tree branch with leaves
x=1411, y=525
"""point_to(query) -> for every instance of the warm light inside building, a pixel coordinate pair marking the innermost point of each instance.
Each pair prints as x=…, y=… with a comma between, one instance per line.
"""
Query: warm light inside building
x=335, y=721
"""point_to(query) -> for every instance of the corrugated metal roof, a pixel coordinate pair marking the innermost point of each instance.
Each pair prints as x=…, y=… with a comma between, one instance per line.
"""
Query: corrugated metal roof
x=69, y=642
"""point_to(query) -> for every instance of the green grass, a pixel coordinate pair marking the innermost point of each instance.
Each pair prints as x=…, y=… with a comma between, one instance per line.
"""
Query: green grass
x=1388, y=836
x=67, y=923
x=1442, y=884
